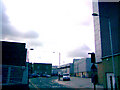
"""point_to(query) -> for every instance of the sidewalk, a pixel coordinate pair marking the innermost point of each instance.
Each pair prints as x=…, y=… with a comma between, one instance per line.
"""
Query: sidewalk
x=77, y=82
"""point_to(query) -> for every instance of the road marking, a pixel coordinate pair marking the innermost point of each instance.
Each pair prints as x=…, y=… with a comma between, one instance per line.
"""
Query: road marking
x=33, y=84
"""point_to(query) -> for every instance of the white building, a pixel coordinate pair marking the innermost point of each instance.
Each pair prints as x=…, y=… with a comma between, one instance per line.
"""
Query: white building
x=67, y=68
x=82, y=67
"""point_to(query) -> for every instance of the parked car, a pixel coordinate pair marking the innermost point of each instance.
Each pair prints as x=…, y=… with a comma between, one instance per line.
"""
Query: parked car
x=48, y=76
x=34, y=75
x=66, y=76
x=43, y=75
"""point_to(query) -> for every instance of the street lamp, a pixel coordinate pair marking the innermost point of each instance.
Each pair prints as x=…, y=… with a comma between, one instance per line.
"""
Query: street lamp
x=28, y=62
x=95, y=14
x=31, y=49
x=59, y=58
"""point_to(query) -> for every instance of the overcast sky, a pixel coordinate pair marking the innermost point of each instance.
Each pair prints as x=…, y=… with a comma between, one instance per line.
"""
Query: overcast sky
x=48, y=26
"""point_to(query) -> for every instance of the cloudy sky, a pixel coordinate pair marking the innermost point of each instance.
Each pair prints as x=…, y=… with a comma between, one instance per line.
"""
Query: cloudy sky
x=48, y=26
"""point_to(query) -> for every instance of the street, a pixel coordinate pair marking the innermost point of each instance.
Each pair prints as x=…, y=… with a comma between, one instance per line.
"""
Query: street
x=43, y=82
x=75, y=82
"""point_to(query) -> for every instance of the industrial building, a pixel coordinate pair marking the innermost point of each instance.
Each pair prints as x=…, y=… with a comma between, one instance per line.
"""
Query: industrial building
x=82, y=67
x=14, y=67
x=107, y=42
x=42, y=68
x=66, y=68
x=54, y=71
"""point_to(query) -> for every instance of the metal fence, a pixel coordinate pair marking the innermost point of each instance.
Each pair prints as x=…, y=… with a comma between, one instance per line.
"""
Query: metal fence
x=14, y=74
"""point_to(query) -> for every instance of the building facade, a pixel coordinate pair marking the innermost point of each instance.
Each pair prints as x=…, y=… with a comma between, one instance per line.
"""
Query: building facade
x=66, y=68
x=82, y=67
x=14, y=66
x=103, y=42
x=30, y=68
x=42, y=68
x=54, y=71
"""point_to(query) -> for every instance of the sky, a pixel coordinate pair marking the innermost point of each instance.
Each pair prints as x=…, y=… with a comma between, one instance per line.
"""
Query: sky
x=47, y=26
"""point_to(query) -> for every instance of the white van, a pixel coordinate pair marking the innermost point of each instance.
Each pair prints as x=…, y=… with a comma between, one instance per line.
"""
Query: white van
x=66, y=76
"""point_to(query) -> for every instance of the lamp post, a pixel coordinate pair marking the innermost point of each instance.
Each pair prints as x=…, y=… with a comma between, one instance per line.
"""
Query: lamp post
x=59, y=57
x=28, y=57
x=31, y=49
x=110, y=34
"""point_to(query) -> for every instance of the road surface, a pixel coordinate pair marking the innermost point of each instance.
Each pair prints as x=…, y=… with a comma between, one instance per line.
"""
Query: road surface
x=53, y=82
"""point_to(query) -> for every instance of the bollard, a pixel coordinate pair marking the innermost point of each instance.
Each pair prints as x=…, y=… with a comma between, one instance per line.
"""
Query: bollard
x=59, y=77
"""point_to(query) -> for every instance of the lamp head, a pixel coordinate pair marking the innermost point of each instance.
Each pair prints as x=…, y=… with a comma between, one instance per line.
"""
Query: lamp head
x=95, y=14
x=31, y=49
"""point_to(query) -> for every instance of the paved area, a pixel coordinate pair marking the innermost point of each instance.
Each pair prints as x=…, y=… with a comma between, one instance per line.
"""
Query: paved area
x=43, y=82
x=77, y=82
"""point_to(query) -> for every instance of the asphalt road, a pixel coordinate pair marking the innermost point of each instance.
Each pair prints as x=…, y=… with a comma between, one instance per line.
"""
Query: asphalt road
x=77, y=82
x=43, y=82
x=74, y=83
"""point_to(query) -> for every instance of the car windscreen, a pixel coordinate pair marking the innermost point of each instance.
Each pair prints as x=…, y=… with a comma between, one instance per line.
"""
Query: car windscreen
x=65, y=74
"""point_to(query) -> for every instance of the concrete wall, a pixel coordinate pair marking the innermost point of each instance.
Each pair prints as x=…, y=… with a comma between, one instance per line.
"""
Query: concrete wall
x=97, y=33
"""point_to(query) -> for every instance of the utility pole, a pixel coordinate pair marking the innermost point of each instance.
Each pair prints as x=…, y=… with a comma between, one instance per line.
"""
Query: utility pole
x=59, y=59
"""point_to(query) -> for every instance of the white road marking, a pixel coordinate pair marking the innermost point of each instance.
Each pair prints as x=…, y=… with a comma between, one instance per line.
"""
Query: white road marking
x=34, y=85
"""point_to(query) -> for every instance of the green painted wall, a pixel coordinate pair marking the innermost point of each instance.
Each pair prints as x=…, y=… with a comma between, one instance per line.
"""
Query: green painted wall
x=107, y=67
x=100, y=73
x=42, y=68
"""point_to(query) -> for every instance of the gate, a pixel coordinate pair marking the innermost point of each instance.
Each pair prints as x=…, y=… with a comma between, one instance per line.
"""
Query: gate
x=12, y=75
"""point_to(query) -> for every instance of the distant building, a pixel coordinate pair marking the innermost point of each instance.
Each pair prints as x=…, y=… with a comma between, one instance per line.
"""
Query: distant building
x=14, y=67
x=42, y=68
x=103, y=43
x=30, y=68
x=54, y=70
x=82, y=67
x=74, y=60
x=66, y=68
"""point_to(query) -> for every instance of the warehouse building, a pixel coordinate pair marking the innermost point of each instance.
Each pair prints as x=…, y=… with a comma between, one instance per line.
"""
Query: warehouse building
x=82, y=67
x=42, y=68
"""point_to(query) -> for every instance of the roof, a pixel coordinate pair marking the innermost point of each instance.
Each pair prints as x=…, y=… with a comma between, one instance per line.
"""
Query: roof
x=12, y=42
x=44, y=63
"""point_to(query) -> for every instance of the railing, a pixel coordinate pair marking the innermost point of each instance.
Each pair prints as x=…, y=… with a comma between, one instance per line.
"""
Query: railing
x=14, y=74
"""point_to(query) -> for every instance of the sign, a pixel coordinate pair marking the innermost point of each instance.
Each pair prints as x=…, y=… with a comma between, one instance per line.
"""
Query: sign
x=93, y=68
x=95, y=79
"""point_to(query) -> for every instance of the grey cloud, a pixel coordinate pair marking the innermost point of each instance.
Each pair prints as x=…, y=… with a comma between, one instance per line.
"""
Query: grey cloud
x=80, y=51
x=10, y=32
x=30, y=34
x=35, y=43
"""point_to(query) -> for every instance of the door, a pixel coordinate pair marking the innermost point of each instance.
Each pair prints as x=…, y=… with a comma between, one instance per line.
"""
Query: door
x=110, y=81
